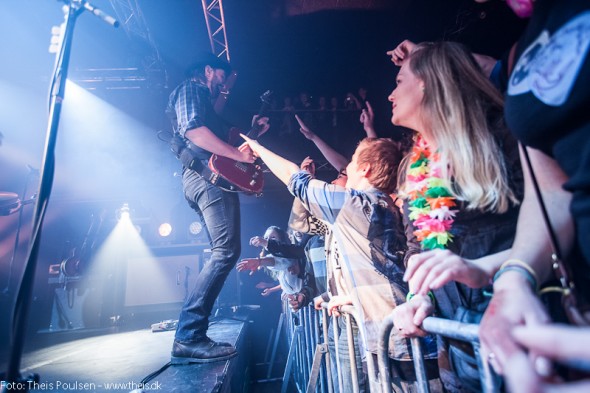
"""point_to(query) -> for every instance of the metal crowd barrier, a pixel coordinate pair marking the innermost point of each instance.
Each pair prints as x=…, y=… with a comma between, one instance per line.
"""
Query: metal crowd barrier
x=443, y=327
x=309, y=364
x=372, y=375
x=306, y=351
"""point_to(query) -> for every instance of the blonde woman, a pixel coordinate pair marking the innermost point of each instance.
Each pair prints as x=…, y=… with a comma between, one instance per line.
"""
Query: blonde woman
x=462, y=184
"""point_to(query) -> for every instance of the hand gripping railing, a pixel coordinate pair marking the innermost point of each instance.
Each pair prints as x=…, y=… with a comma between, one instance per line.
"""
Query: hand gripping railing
x=467, y=332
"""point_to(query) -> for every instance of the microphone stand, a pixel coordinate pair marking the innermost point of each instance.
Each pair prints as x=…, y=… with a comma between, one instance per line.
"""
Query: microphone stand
x=12, y=380
x=7, y=290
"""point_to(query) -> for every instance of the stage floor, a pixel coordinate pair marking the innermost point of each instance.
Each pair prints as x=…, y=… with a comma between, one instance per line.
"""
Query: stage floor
x=118, y=362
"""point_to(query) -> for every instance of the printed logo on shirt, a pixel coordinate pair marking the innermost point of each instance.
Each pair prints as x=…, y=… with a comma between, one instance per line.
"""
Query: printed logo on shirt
x=548, y=68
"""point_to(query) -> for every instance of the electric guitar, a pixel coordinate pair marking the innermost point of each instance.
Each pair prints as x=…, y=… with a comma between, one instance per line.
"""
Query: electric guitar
x=11, y=203
x=246, y=177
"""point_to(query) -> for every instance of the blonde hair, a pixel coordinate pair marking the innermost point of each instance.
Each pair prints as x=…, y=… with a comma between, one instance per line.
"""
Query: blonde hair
x=460, y=107
x=383, y=156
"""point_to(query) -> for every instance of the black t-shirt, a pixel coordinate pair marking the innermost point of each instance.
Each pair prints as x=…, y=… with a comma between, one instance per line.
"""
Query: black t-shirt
x=548, y=97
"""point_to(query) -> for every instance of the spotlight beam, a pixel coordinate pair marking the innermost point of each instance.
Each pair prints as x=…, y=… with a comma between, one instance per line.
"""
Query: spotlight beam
x=25, y=290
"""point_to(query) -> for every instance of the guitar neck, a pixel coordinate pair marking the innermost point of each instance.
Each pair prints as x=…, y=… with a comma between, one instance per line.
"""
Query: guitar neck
x=224, y=93
x=254, y=132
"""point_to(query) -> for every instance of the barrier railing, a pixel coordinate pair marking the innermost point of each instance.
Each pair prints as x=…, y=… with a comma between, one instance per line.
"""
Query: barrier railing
x=309, y=361
x=304, y=362
x=443, y=327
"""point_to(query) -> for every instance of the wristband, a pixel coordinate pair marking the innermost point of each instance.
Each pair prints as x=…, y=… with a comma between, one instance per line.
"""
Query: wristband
x=517, y=268
x=410, y=295
x=524, y=265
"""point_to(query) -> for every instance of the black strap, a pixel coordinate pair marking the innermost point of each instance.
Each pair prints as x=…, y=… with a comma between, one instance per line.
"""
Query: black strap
x=191, y=160
x=559, y=266
x=552, y=235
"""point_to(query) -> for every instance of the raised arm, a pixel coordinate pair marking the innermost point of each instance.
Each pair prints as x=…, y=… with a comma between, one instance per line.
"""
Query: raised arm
x=282, y=168
x=253, y=264
x=337, y=160
x=367, y=119
x=405, y=48
x=401, y=52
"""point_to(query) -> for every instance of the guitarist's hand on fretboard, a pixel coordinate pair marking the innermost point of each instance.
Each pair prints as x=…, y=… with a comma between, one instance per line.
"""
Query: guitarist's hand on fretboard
x=260, y=124
x=242, y=170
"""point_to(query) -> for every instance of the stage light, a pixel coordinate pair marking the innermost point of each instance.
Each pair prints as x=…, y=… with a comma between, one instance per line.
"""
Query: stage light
x=165, y=229
x=57, y=34
x=195, y=228
x=123, y=213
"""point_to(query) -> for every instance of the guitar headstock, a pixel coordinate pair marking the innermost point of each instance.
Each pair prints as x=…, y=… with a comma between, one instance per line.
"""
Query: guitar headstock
x=266, y=97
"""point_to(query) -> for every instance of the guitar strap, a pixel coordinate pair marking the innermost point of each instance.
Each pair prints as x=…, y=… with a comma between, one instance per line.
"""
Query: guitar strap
x=189, y=160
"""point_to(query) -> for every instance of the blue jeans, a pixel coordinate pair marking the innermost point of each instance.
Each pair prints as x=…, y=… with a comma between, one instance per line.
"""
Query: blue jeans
x=219, y=212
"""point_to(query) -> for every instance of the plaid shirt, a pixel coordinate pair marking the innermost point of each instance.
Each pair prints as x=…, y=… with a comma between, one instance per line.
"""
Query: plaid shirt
x=315, y=250
x=190, y=107
x=367, y=230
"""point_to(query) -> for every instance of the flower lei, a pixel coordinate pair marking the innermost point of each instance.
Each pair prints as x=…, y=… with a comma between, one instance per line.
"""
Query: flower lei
x=429, y=198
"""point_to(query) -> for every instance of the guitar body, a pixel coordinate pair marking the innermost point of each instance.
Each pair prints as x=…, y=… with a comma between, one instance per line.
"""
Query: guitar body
x=247, y=177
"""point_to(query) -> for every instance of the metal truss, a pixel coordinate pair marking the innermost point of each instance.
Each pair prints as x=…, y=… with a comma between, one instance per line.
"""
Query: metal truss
x=129, y=13
x=215, y=20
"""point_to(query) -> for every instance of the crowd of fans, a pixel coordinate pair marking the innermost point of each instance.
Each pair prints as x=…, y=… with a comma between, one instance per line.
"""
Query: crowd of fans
x=333, y=118
x=452, y=225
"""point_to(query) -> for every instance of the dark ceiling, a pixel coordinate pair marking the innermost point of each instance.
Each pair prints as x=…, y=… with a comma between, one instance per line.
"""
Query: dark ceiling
x=322, y=47
x=291, y=43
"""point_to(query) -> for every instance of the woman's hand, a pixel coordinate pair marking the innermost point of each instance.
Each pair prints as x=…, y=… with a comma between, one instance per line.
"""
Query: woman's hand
x=556, y=342
x=337, y=301
x=261, y=124
x=514, y=304
x=258, y=241
x=251, y=264
x=408, y=317
x=401, y=52
x=433, y=269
